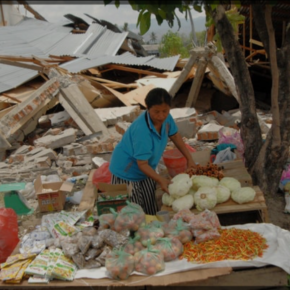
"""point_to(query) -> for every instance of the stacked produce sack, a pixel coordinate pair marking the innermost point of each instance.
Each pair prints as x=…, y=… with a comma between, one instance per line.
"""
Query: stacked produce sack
x=205, y=191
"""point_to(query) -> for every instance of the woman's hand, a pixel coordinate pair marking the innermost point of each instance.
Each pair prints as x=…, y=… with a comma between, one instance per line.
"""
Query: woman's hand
x=191, y=165
x=164, y=182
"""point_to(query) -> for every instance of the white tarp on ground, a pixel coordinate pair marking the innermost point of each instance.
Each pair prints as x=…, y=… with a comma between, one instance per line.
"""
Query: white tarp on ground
x=278, y=254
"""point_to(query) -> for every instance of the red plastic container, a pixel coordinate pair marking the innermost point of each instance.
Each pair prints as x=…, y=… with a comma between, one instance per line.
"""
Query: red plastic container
x=174, y=161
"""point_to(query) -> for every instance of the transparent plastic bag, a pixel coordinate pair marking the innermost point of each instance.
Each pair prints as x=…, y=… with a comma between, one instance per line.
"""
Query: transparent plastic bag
x=130, y=217
x=180, y=230
x=185, y=214
x=133, y=245
x=107, y=220
x=149, y=261
x=119, y=264
x=149, y=232
x=231, y=136
x=171, y=248
x=224, y=156
x=207, y=235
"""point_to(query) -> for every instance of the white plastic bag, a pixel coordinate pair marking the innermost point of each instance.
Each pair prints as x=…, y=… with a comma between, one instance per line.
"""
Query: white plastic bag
x=224, y=156
x=287, y=200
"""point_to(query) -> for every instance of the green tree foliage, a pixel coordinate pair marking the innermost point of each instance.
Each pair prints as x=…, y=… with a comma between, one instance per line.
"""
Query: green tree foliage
x=172, y=44
x=201, y=38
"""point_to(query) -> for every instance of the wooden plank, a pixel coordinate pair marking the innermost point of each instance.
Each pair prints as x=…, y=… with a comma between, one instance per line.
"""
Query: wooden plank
x=196, y=84
x=126, y=100
x=138, y=71
x=259, y=43
x=231, y=206
x=121, y=85
x=74, y=116
x=140, y=94
x=89, y=195
x=73, y=95
x=11, y=98
x=134, y=282
x=197, y=52
x=254, y=278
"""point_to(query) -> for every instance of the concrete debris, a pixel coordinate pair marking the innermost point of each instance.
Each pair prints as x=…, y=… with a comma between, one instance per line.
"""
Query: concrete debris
x=56, y=138
x=209, y=131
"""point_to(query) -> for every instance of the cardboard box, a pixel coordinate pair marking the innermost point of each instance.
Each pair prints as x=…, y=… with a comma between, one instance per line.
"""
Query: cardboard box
x=51, y=200
x=111, y=190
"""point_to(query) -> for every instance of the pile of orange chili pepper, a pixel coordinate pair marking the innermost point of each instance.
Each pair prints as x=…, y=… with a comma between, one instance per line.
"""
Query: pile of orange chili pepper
x=233, y=244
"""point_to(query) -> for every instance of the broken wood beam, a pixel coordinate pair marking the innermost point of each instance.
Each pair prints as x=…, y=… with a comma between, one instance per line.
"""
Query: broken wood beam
x=217, y=66
x=31, y=10
x=196, y=83
x=195, y=54
x=11, y=98
x=121, y=85
x=138, y=71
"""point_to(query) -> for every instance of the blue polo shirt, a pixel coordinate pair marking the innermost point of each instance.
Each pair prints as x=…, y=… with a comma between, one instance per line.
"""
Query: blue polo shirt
x=141, y=141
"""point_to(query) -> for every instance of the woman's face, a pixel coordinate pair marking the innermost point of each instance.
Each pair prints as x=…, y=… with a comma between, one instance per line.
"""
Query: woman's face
x=158, y=113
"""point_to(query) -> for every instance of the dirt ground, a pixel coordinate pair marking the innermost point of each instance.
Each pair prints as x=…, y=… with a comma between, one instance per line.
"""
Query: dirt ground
x=276, y=204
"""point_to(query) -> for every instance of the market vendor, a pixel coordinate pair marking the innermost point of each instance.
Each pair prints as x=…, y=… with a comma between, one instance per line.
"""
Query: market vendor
x=137, y=155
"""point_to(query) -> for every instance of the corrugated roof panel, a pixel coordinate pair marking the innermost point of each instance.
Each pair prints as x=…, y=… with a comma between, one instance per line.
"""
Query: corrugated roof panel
x=12, y=76
x=128, y=58
x=77, y=65
x=73, y=44
x=167, y=63
x=84, y=63
x=108, y=43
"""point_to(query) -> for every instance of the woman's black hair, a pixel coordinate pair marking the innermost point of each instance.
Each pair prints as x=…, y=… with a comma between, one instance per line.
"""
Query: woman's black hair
x=157, y=96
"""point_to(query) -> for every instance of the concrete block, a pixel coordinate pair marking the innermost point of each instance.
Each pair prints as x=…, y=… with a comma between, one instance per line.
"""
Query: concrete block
x=186, y=127
x=121, y=127
x=43, y=162
x=16, y=158
x=43, y=152
x=209, y=132
x=23, y=149
x=56, y=141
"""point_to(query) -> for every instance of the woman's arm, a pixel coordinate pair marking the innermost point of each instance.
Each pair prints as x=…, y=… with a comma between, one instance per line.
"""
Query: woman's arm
x=178, y=142
x=150, y=172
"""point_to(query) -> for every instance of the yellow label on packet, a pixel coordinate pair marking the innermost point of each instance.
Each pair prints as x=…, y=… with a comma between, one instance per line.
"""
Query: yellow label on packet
x=16, y=258
x=10, y=272
x=20, y=273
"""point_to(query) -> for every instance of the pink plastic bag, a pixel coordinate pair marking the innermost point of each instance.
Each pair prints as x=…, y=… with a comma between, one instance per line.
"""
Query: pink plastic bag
x=8, y=233
x=102, y=174
x=232, y=136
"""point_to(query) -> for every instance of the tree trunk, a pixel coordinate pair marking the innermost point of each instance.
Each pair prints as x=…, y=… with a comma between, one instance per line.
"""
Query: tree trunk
x=264, y=161
x=272, y=159
x=250, y=129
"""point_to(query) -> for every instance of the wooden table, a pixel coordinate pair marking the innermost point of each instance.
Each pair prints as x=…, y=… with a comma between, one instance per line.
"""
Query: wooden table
x=258, y=204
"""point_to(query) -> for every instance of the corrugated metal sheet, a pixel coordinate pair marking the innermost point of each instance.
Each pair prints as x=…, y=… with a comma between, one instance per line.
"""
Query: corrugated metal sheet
x=29, y=37
x=11, y=76
x=96, y=47
x=108, y=43
x=77, y=65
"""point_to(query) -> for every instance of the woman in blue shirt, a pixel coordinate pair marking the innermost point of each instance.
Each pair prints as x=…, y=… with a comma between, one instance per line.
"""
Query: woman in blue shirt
x=137, y=155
